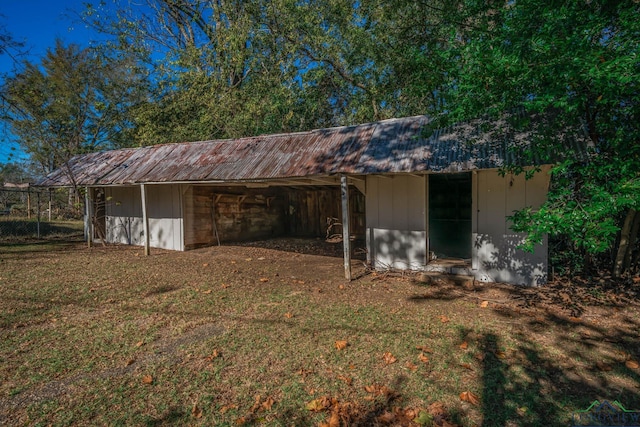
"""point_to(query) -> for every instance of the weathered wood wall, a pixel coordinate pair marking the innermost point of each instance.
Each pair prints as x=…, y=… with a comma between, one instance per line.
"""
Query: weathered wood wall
x=309, y=208
x=240, y=213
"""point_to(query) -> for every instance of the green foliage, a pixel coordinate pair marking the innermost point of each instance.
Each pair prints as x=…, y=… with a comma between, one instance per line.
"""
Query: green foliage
x=576, y=64
x=74, y=102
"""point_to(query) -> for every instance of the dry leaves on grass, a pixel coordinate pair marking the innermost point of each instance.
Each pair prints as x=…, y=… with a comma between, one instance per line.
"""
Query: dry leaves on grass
x=484, y=304
x=443, y=318
x=604, y=367
x=389, y=358
x=347, y=380
x=319, y=404
x=288, y=315
x=196, y=411
x=411, y=366
x=341, y=344
x=464, y=345
x=632, y=364
x=471, y=397
x=423, y=358
x=147, y=379
x=424, y=348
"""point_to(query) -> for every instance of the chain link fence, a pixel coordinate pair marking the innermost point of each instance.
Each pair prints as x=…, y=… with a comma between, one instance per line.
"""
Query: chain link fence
x=28, y=212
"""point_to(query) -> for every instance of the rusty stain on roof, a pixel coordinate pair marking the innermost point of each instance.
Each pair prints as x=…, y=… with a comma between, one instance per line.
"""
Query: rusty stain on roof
x=390, y=146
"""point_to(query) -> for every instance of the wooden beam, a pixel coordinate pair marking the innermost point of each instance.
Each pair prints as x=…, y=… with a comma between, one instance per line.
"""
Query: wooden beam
x=346, y=232
x=145, y=218
x=89, y=214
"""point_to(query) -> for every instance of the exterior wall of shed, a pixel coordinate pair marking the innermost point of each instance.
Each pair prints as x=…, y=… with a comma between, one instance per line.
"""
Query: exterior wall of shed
x=123, y=216
x=396, y=217
x=495, y=253
x=397, y=225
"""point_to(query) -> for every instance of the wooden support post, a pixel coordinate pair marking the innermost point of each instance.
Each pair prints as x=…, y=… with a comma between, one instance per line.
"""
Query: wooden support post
x=28, y=203
x=88, y=223
x=50, y=206
x=344, y=191
x=145, y=218
x=38, y=212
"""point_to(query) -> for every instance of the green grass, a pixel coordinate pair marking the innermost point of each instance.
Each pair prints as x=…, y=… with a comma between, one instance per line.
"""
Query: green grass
x=80, y=329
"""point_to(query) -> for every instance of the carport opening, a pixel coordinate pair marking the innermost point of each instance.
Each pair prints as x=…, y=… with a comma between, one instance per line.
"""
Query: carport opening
x=235, y=214
x=450, y=215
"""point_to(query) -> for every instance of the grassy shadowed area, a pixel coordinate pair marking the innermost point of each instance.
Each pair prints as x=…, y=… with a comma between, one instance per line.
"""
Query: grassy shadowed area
x=251, y=336
x=21, y=230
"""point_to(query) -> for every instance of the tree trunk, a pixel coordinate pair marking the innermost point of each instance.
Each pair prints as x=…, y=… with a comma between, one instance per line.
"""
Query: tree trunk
x=633, y=239
x=619, y=267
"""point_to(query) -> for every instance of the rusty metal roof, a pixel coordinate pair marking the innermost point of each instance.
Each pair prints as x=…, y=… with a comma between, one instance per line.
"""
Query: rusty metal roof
x=403, y=145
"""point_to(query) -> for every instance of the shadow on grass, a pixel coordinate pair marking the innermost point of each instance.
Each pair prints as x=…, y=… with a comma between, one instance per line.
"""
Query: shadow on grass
x=552, y=364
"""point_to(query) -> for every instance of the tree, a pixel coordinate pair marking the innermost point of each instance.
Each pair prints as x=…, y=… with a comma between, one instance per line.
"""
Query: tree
x=578, y=64
x=75, y=101
x=235, y=68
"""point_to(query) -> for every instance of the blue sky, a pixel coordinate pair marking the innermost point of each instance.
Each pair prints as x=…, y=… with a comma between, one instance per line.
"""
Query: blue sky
x=37, y=23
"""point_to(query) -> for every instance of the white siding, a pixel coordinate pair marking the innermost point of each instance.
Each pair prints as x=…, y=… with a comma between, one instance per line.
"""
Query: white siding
x=124, y=216
x=396, y=221
x=496, y=257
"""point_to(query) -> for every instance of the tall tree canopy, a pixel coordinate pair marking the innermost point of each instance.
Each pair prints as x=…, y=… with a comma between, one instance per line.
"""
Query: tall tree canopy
x=578, y=63
x=74, y=101
x=234, y=68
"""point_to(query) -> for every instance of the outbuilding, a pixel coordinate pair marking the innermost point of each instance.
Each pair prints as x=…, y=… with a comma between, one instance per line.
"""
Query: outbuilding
x=419, y=198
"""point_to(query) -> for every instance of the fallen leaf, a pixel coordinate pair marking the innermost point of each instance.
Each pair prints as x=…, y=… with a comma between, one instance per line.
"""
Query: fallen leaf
x=411, y=366
x=484, y=304
x=226, y=408
x=424, y=419
x=341, y=344
x=268, y=403
x=631, y=364
x=317, y=405
x=261, y=258
x=468, y=396
x=208, y=291
x=214, y=354
x=341, y=287
x=334, y=421
x=467, y=366
x=443, y=318
x=370, y=388
x=464, y=345
x=206, y=264
x=224, y=286
x=147, y=379
x=131, y=362
x=410, y=413
x=423, y=358
x=424, y=348
x=139, y=343
x=389, y=358
x=386, y=418
x=603, y=366
x=500, y=354
x=241, y=421
x=347, y=380
x=264, y=279
x=437, y=409
x=196, y=411
x=288, y=315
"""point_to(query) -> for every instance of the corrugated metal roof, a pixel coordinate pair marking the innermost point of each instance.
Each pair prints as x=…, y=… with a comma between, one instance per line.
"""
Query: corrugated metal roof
x=390, y=146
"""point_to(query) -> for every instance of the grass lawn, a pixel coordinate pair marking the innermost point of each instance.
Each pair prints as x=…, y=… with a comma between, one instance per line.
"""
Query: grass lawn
x=240, y=335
